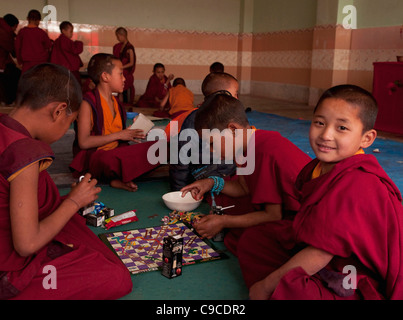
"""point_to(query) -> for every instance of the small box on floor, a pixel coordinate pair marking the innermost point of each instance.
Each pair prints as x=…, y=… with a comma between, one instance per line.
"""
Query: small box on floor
x=172, y=256
x=98, y=217
x=87, y=209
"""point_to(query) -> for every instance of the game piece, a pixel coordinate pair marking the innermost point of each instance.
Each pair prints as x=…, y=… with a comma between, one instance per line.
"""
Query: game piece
x=141, y=250
x=172, y=256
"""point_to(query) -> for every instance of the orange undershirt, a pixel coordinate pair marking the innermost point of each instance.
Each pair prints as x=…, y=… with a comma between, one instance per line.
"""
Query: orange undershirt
x=318, y=169
x=111, y=124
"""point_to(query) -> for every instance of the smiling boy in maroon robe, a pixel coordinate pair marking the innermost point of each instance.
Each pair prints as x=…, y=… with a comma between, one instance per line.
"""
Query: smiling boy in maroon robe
x=348, y=232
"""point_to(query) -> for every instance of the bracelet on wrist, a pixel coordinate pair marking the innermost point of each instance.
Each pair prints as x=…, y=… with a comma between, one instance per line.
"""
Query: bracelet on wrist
x=75, y=202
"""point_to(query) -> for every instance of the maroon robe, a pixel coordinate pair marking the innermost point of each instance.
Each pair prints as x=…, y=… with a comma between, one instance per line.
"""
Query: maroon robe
x=126, y=162
x=7, y=37
x=32, y=47
x=277, y=164
x=353, y=212
x=124, y=56
x=155, y=89
x=87, y=270
x=66, y=53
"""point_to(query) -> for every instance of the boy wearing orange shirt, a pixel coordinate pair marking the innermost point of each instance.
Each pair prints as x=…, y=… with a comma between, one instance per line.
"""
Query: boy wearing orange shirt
x=102, y=136
x=179, y=99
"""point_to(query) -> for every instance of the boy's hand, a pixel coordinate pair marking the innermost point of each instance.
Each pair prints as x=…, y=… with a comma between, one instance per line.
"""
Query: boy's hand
x=84, y=192
x=208, y=226
x=198, y=188
x=131, y=135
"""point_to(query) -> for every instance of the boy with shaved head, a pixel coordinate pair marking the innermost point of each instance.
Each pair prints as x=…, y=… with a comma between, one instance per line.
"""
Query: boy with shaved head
x=346, y=240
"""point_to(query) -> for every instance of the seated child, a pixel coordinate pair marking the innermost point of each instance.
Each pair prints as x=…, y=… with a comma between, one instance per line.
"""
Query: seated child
x=124, y=50
x=66, y=52
x=102, y=137
x=179, y=99
x=351, y=216
x=32, y=44
x=270, y=186
x=180, y=174
x=38, y=228
x=157, y=88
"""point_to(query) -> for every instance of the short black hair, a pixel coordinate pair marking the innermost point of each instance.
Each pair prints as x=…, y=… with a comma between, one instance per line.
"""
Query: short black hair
x=99, y=63
x=34, y=15
x=47, y=83
x=216, y=81
x=121, y=30
x=65, y=24
x=158, y=65
x=178, y=81
x=217, y=67
x=11, y=20
x=218, y=111
x=357, y=97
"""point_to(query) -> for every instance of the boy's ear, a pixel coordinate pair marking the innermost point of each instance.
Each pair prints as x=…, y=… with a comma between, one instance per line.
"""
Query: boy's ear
x=104, y=76
x=58, y=109
x=234, y=125
x=368, y=138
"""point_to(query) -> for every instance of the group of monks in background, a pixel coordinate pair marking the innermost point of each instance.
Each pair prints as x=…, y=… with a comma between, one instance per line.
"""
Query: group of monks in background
x=32, y=46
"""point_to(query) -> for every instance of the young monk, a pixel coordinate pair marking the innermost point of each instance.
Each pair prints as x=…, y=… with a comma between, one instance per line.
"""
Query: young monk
x=38, y=228
x=180, y=174
x=178, y=100
x=66, y=52
x=102, y=136
x=32, y=45
x=157, y=88
x=270, y=186
x=125, y=51
x=351, y=216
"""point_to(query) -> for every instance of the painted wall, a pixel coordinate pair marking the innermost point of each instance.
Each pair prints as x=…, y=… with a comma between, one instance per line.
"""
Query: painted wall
x=189, y=15
x=285, y=49
x=278, y=15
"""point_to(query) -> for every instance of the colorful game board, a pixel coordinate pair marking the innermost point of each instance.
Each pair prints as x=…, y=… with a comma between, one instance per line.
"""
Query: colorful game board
x=141, y=250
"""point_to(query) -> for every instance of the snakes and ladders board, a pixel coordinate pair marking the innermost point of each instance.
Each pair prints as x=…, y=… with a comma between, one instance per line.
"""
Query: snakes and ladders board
x=141, y=249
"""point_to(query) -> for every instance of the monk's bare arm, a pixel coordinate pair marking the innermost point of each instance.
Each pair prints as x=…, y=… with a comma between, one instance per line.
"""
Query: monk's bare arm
x=28, y=233
x=211, y=224
x=311, y=259
x=88, y=141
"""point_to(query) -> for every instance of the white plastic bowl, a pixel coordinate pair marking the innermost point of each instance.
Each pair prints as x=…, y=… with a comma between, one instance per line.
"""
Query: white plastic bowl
x=174, y=201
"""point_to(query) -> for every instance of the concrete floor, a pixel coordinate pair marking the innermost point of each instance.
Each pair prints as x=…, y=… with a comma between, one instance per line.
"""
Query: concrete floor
x=60, y=172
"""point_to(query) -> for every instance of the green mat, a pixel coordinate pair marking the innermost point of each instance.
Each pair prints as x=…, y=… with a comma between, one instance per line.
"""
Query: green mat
x=215, y=280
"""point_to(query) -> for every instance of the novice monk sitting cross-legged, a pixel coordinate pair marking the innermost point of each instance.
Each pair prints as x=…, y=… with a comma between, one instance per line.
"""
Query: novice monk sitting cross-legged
x=102, y=138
